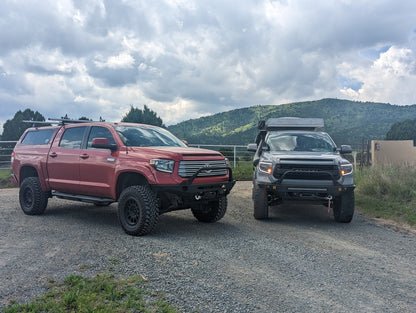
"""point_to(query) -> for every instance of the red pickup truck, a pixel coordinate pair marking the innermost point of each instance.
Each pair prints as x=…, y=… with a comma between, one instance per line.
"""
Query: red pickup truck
x=144, y=168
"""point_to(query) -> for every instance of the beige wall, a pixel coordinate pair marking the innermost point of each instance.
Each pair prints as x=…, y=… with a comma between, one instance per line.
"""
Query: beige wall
x=386, y=152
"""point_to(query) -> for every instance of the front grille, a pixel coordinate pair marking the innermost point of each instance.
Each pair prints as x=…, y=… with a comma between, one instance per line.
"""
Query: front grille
x=189, y=168
x=311, y=171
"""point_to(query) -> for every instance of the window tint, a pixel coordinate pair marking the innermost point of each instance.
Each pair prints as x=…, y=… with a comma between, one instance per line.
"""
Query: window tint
x=312, y=142
x=99, y=132
x=143, y=136
x=72, y=138
x=38, y=137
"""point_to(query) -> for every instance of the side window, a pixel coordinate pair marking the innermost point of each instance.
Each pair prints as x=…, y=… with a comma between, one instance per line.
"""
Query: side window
x=99, y=132
x=72, y=138
x=38, y=137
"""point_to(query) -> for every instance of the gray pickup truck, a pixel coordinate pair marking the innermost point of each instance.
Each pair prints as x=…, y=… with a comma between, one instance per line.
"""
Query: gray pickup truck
x=295, y=162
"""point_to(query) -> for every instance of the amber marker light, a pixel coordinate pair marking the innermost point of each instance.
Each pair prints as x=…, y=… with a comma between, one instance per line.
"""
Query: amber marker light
x=266, y=167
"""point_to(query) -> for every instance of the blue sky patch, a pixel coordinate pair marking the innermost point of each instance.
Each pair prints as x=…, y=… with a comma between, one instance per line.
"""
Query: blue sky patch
x=348, y=82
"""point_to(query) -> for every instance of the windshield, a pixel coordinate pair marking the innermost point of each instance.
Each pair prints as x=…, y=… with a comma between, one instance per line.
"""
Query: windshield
x=143, y=136
x=312, y=142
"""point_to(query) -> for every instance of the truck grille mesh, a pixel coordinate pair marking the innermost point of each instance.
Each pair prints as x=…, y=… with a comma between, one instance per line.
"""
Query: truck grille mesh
x=307, y=171
x=189, y=168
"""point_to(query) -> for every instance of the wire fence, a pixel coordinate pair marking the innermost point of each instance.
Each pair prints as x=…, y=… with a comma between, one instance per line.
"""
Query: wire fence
x=6, y=149
x=236, y=154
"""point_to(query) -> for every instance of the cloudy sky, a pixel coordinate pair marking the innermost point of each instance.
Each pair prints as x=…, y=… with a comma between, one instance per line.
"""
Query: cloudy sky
x=189, y=58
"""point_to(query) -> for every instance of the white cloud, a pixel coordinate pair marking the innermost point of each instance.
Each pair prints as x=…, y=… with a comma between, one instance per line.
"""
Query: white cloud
x=390, y=78
x=187, y=58
x=123, y=60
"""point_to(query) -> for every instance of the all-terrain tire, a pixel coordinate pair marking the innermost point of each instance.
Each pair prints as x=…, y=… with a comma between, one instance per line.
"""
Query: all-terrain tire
x=212, y=212
x=261, y=205
x=344, y=207
x=33, y=200
x=138, y=211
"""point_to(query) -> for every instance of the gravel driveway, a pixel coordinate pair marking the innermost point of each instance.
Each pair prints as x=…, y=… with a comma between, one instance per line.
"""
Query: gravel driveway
x=298, y=261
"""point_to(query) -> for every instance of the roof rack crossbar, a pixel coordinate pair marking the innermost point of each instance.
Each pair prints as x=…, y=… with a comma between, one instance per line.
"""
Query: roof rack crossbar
x=65, y=120
x=34, y=123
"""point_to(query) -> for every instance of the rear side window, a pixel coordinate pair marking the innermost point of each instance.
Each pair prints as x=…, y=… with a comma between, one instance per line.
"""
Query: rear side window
x=72, y=138
x=38, y=137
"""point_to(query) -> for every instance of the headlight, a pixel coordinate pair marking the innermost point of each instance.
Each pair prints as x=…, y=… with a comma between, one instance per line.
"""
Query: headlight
x=163, y=165
x=346, y=168
x=227, y=162
x=266, y=167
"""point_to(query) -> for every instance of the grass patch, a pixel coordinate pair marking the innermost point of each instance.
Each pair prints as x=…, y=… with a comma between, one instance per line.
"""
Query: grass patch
x=5, y=178
x=388, y=192
x=102, y=293
x=243, y=171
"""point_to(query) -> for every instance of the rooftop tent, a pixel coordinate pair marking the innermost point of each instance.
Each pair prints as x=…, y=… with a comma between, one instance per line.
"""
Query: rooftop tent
x=294, y=123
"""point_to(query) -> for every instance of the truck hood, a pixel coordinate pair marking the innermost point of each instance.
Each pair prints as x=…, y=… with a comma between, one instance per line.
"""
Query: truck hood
x=330, y=157
x=176, y=153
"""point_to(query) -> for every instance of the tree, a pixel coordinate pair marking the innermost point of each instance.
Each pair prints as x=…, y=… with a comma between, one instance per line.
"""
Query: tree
x=145, y=116
x=405, y=130
x=14, y=128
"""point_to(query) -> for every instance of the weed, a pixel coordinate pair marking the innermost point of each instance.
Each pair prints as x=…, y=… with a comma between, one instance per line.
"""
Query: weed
x=387, y=192
x=102, y=293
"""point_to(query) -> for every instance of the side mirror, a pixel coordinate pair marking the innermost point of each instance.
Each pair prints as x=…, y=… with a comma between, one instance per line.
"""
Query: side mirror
x=345, y=149
x=252, y=147
x=103, y=143
x=185, y=142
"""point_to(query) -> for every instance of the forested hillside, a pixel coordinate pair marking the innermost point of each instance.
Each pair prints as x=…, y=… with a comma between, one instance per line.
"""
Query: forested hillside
x=346, y=121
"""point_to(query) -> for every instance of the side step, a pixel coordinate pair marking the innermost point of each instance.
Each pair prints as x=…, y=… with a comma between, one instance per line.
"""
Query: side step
x=82, y=198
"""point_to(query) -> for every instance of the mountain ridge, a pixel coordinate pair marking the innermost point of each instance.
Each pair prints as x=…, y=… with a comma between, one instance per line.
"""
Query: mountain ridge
x=345, y=120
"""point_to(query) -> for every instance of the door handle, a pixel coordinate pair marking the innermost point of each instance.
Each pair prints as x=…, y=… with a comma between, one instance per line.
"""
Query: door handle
x=84, y=156
x=53, y=155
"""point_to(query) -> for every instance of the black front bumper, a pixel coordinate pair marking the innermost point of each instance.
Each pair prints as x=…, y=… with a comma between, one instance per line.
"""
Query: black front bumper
x=187, y=191
x=307, y=190
x=190, y=193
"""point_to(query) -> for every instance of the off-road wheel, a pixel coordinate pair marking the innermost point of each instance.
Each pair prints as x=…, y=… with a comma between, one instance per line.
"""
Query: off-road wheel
x=33, y=200
x=212, y=211
x=138, y=211
x=261, y=205
x=344, y=207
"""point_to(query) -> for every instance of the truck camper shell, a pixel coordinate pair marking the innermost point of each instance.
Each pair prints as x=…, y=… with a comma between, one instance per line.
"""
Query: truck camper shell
x=294, y=123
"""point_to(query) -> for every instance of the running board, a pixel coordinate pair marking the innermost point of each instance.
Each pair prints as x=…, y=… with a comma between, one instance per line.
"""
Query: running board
x=82, y=198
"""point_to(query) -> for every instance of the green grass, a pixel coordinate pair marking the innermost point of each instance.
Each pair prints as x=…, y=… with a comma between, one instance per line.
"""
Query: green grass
x=388, y=192
x=243, y=171
x=102, y=293
x=5, y=178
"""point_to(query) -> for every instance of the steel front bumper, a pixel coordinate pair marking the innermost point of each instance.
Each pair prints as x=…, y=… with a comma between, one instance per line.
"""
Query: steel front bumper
x=196, y=193
x=306, y=190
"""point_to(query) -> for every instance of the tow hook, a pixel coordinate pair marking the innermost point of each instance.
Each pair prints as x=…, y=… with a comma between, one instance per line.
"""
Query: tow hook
x=329, y=203
x=198, y=197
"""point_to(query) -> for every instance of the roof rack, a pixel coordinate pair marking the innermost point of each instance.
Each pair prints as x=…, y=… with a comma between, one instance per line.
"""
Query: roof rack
x=61, y=121
x=294, y=123
x=37, y=122
x=66, y=120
